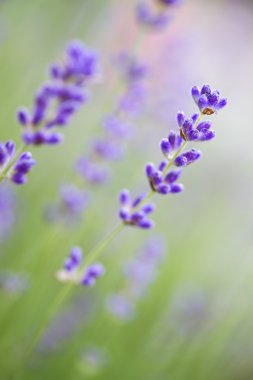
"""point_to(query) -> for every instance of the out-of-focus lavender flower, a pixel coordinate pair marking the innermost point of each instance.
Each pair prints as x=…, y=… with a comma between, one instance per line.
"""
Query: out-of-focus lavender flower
x=70, y=207
x=117, y=128
x=22, y=166
x=207, y=100
x=109, y=150
x=120, y=306
x=74, y=260
x=93, y=361
x=92, y=273
x=133, y=213
x=92, y=172
x=139, y=273
x=72, y=271
x=66, y=324
x=13, y=283
x=7, y=211
x=153, y=18
x=133, y=100
x=58, y=100
x=131, y=69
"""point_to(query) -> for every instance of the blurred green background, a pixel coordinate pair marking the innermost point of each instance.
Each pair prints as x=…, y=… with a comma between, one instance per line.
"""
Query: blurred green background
x=196, y=320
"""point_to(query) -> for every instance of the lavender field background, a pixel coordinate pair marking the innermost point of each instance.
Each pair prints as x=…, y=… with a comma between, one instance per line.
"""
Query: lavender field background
x=194, y=318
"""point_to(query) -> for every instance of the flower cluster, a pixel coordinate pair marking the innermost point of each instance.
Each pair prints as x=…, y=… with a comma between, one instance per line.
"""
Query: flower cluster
x=164, y=179
x=155, y=16
x=71, y=271
x=207, y=100
x=139, y=273
x=14, y=171
x=133, y=213
x=59, y=99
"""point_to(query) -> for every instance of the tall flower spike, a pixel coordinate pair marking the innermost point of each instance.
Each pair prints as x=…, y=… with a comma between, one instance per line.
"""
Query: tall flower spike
x=164, y=179
x=59, y=99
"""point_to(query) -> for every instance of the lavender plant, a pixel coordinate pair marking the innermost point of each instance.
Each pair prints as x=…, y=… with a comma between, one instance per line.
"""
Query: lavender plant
x=162, y=180
x=55, y=103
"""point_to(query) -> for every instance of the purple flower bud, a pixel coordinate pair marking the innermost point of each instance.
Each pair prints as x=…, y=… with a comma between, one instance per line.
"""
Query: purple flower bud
x=175, y=140
x=206, y=90
x=180, y=161
x=193, y=135
x=124, y=197
x=222, y=103
x=195, y=93
x=176, y=188
x=195, y=117
x=206, y=135
x=180, y=118
x=124, y=214
x=136, y=217
x=192, y=155
x=146, y=224
x=137, y=200
x=10, y=148
x=173, y=176
x=76, y=255
x=204, y=125
x=23, y=165
x=148, y=208
x=162, y=166
x=165, y=146
x=163, y=189
x=150, y=170
x=92, y=273
x=23, y=116
x=3, y=154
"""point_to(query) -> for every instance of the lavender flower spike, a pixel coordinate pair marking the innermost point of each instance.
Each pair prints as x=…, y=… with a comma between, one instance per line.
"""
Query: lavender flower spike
x=64, y=94
x=92, y=273
x=132, y=213
x=208, y=101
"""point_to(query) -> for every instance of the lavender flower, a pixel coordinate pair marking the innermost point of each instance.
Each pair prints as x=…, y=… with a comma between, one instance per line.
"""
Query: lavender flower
x=163, y=183
x=64, y=93
x=152, y=19
x=70, y=207
x=22, y=166
x=72, y=270
x=13, y=283
x=163, y=180
x=74, y=260
x=7, y=211
x=92, y=273
x=92, y=172
x=132, y=213
x=207, y=100
x=190, y=132
x=138, y=273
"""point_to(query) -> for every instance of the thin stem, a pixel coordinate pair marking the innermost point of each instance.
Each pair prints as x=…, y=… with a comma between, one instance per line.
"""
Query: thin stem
x=94, y=253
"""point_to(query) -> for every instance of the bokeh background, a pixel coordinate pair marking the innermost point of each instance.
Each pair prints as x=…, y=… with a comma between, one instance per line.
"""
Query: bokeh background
x=195, y=320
